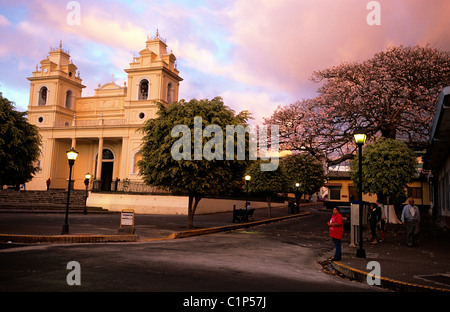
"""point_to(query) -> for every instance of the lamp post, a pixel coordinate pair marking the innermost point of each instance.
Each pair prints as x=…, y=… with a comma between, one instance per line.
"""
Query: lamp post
x=297, y=199
x=247, y=180
x=360, y=139
x=71, y=156
x=87, y=177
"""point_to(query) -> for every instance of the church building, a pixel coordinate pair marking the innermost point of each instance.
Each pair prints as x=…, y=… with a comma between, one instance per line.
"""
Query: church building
x=101, y=128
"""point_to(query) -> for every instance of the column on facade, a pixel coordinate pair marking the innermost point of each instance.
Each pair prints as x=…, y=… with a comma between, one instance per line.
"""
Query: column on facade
x=124, y=159
x=74, y=146
x=47, y=161
x=98, y=173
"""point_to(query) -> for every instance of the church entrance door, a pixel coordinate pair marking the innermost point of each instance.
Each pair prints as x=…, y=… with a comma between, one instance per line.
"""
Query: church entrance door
x=107, y=175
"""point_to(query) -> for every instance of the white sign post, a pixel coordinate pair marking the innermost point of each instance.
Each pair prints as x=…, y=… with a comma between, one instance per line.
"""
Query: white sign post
x=127, y=221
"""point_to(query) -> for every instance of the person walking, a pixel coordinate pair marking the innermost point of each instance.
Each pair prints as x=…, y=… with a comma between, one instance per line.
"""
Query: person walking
x=382, y=219
x=336, y=225
x=411, y=218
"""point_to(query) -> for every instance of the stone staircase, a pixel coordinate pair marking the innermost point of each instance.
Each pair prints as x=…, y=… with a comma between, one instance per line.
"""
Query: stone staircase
x=54, y=200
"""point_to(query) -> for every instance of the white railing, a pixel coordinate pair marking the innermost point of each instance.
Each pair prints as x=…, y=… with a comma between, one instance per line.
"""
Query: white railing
x=129, y=186
x=89, y=123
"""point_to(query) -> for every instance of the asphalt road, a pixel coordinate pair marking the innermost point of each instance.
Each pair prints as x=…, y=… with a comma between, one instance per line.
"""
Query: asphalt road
x=278, y=257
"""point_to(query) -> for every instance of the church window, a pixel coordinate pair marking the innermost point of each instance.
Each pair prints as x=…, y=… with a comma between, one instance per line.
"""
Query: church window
x=143, y=90
x=37, y=164
x=136, y=158
x=169, y=93
x=42, y=98
x=69, y=99
x=107, y=154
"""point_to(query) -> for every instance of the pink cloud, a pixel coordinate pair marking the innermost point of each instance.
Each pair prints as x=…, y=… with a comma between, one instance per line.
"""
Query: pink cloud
x=266, y=50
x=280, y=43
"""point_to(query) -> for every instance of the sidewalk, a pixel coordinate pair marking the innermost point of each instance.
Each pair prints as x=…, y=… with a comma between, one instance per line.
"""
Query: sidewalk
x=425, y=267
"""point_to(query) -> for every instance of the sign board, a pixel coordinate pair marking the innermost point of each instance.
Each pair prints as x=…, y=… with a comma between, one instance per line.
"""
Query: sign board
x=354, y=215
x=127, y=218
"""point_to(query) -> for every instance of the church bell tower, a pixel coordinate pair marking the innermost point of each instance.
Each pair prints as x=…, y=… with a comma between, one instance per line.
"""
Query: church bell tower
x=54, y=86
x=153, y=76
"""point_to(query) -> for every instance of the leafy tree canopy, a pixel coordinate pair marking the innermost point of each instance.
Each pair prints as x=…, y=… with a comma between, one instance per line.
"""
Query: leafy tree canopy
x=266, y=182
x=388, y=166
x=189, y=175
x=305, y=170
x=19, y=145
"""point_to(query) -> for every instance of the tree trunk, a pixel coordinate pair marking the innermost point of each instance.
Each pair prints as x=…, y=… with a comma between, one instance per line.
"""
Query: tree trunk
x=192, y=207
x=269, y=202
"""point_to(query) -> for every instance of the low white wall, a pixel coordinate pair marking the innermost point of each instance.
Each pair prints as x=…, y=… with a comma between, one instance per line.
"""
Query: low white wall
x=163, y=204
x=151, y=204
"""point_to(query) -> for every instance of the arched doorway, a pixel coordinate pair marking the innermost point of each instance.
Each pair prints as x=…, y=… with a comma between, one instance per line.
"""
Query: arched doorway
x=107, y=169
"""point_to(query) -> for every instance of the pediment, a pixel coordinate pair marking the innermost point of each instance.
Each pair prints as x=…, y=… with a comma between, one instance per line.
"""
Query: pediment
x=110, y=86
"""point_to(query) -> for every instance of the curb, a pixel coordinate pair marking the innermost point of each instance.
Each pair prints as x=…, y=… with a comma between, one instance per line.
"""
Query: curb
x=388, y=283
x=69, y=239
x=191, y=233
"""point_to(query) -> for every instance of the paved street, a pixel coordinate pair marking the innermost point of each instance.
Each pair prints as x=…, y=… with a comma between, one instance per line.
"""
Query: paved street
x=240, y=261
x=278, y=257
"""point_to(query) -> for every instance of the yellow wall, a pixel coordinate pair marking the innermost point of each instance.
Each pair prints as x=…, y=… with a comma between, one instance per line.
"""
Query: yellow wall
x=345, y=197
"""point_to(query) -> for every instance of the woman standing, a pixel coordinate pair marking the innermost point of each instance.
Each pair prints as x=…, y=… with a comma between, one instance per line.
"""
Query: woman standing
x=336, y=225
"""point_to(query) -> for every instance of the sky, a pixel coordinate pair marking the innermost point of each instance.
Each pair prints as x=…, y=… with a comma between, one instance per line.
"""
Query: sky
x=255, y=54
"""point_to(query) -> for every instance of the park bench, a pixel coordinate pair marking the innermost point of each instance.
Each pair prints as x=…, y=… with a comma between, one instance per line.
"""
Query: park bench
x=242, y=214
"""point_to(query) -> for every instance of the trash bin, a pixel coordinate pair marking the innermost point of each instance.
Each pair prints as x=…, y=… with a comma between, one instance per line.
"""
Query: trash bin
x=291, y=207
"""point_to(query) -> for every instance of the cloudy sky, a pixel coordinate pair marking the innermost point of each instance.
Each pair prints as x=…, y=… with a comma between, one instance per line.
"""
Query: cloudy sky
x=256, y=54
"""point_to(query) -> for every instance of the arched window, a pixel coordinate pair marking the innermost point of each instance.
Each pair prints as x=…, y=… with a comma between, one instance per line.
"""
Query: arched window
x=42, y=97
x=169, y=93
x=143, y=90
x=107, y=154
x=136, y=158
x=69, y=99
x=38, y=163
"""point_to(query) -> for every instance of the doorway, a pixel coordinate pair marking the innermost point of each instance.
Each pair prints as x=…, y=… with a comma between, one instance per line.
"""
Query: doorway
x=107, y=175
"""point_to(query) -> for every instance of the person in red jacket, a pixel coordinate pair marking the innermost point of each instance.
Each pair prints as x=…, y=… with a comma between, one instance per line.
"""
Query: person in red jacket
x=336, y=225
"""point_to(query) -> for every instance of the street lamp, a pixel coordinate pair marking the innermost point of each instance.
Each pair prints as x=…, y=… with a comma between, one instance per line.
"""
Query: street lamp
x=297, y=199
x=360, y=139
x=71, y=156
x=87, y=177
x=247, y=180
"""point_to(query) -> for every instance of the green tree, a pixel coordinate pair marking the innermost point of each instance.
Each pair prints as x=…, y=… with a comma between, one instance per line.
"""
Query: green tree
x=388, y=166
x=19, y=145
x=267, y=183
x=193, y=163
x=305, y=170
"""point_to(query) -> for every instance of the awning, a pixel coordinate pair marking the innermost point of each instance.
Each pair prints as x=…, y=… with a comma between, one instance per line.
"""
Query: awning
x=439, y=147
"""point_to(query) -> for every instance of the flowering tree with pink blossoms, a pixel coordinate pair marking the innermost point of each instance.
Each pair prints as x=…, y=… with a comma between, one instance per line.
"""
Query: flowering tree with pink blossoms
x=391, y=95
